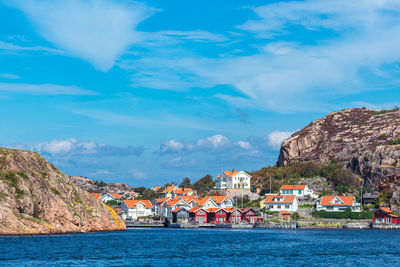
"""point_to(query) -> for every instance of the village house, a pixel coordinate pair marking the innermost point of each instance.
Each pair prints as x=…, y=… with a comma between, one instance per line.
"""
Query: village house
x=198, y=215
x=110, y=196
x=133, y=209
x=297, y=190
x=156, y=188
x=223, y=201
x=338, y=203
x=287, y=203
x=157, y=203
x=250, y=215
x=167, y=192
x=180, y=215
x=183, y=192
x=233, y=180
x=235, y=215
x=385, y=216
x=217, y=215
x=170, y=205
x=130, y=195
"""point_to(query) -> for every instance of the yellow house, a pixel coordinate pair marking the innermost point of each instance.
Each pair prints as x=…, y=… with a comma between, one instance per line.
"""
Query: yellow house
x=262, y=204
x=167, y=192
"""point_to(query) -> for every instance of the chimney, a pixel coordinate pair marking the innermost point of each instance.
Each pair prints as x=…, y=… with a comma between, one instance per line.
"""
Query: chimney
x=233, y=170
x=342, y=194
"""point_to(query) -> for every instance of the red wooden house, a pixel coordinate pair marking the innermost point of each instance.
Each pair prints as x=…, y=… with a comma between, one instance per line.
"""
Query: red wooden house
x=235, y=215
x=385, y=216
x=250, y=215
x=217, y=215
x=198, y=215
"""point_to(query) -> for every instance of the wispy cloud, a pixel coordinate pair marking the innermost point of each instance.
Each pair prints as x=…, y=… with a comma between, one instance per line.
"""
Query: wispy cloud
x=9, y=76
x=276, y=138
x=97, y=31
x=293, y=75
x=44, y=89
x=7, y=47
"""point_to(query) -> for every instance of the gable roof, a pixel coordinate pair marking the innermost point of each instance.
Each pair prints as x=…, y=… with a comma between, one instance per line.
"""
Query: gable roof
x=202, y=201
x=161, y=200
x=328, y=200
x=96, y=195
x=293, y=187
x=170, y=189
x=286, y=199
x=134, y=203
x=195, y=209
x=178, y=209
x=219, y=199
x=116, y=196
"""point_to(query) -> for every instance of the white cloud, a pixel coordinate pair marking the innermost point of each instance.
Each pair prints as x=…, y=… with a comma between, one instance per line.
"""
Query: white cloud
x=44, y=89
x=137, y=174
x=276, y=138
x=9, y=76
x=98, y=31
x=11, y=47
x=172, y=145
x=74, y=147
x=215, y=141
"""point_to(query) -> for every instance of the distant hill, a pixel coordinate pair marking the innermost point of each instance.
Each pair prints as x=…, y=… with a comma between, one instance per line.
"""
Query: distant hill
x=93, y=186
x=37, y=198
x=365, y=141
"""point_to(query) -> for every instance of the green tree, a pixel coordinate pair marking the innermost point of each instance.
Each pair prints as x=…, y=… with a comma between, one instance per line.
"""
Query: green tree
x=310, y=169
x=185, y=183
x=148, y=194
x=205, y=183
x=295, y=216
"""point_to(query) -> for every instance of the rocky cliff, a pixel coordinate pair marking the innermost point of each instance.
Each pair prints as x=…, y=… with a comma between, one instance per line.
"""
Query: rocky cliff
x=364, y=141
x=37, y=198
x=93, y=186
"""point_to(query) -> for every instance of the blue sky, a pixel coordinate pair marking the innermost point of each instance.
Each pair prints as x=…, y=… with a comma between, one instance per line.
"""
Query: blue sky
x=149, y=92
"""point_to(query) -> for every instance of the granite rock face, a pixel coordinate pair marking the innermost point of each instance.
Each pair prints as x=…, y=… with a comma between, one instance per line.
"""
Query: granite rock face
x=37, y=198
x=361, y=139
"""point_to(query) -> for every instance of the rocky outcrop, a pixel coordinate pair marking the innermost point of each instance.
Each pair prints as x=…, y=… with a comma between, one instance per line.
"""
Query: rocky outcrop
x=100, y=187
x=362, y=139
x=37, y=198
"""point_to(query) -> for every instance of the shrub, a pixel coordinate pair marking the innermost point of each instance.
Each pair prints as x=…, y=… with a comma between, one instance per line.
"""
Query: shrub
x=295, y=216
x=55, y=191
x=23, y=175
x=343, y=214
x=382, y=136
x=395, y=142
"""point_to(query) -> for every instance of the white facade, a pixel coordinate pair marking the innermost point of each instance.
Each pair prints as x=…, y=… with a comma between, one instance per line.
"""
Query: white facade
x=132, y=213
x=297, y=190
x=338, y=203
x=233, y=180
x=281, y=203
x=107, y=197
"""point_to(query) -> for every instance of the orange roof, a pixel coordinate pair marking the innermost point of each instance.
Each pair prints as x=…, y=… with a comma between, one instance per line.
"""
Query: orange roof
x=188, y=199
x=347, y=200
x=219, y=199
x=177, y=209
x=133, y=203
x=116, y=196
x=286, y=199
x=161, y=200
x=231, y=173
x=195, y=209
x=169, y=189
x=285, y=212
x=230, y=210
x=386, y=210
x=202, y=201
x=293, y=187
x=96, y=195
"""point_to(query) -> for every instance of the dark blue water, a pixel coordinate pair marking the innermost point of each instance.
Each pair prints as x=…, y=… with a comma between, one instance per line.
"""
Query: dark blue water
x=191, y=247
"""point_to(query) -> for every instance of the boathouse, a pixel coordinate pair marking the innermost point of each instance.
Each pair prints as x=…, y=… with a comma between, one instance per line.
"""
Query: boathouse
x=385, y=216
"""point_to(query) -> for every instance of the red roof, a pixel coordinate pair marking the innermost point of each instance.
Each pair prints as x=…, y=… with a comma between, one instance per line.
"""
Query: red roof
x=347, y=200
x=96, y=195
x=285, y=199
x=293, y=187
x=133, y=203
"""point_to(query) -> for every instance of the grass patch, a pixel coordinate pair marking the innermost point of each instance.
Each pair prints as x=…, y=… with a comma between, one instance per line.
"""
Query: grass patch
x=55, y=191
x=23, y=175
x=395, y=142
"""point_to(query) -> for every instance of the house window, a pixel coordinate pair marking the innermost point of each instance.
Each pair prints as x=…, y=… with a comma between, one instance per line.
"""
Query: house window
x=329, y=208
x=300, y=191
x=291, y=192
x=279, y=206
x=286, y=206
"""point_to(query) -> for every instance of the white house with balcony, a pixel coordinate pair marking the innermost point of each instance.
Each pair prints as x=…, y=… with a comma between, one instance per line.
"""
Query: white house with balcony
x=133, y=209
x=298, y=190
x=233, y=180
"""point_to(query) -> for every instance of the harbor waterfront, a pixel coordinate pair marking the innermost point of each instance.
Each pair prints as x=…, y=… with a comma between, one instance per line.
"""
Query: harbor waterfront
x=205, y=247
